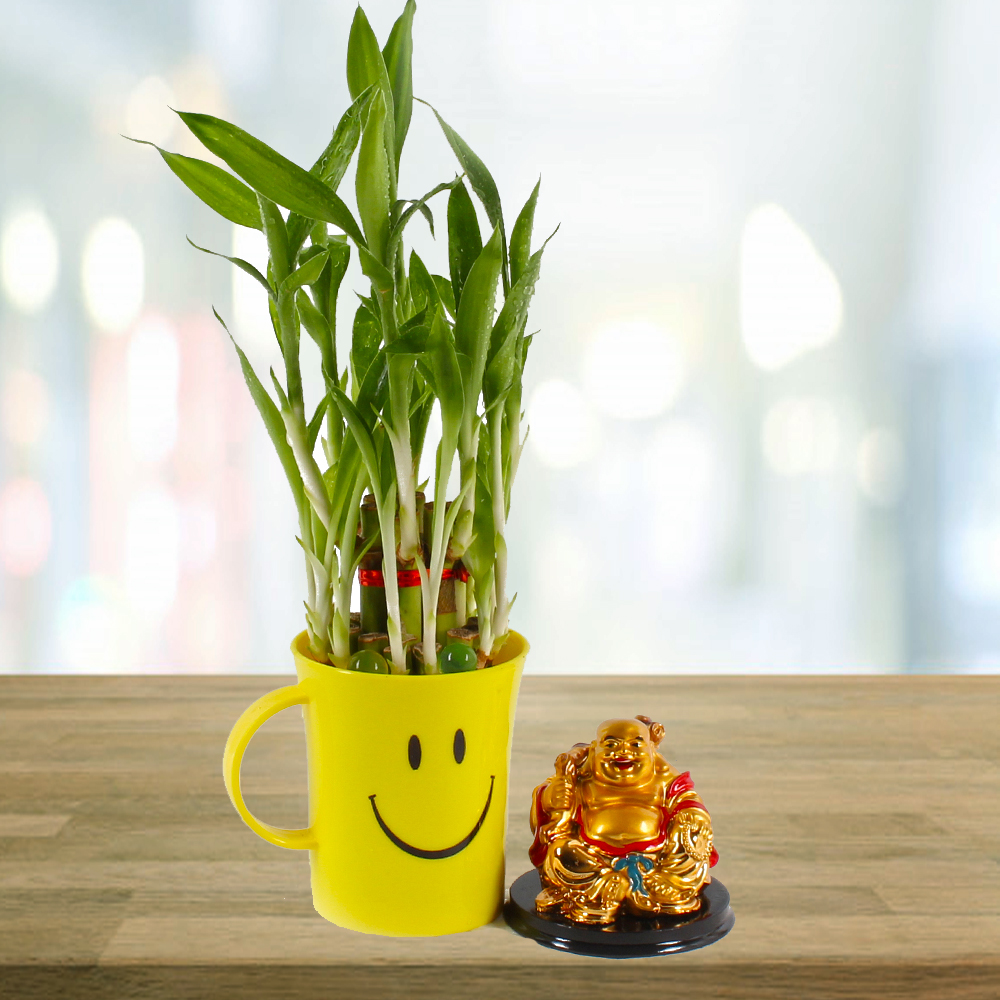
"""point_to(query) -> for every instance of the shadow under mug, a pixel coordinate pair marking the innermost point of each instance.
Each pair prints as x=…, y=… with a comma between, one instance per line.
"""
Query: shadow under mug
x=407, y=790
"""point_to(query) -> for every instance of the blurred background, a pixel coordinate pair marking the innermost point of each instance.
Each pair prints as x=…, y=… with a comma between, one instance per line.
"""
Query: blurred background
x=764, y=398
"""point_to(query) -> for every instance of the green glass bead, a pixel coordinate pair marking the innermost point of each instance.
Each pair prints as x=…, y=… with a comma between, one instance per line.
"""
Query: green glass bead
x=368, y=662
x=457, y=657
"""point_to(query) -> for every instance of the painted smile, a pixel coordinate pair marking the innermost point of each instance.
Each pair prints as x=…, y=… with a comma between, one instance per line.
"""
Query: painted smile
x=447, y=852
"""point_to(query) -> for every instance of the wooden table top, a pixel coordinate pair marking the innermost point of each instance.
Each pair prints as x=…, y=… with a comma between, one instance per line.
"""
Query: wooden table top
x=857, y=818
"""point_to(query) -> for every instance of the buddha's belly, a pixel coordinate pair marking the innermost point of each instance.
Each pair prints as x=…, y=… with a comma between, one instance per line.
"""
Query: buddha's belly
x=622, y=823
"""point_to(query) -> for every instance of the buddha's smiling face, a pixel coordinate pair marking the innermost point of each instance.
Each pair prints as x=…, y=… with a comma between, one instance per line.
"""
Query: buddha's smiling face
x=622, y=754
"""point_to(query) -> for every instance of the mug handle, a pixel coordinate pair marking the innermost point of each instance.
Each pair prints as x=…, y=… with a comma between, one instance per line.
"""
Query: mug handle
x=246, y=725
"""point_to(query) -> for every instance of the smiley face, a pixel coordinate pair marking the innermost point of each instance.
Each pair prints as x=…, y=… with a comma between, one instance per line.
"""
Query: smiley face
x=415, y=756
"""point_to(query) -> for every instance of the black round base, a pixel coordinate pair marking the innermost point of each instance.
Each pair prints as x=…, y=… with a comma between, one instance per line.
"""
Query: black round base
x=628, y=936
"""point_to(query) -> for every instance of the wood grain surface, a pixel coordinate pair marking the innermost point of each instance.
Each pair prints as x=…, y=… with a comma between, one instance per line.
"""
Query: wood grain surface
x=857, y=818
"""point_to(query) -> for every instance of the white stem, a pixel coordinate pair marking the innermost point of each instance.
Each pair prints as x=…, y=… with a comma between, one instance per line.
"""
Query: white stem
x=387, y=517
x=499, y=522
x=430, y=582
x=312, y=478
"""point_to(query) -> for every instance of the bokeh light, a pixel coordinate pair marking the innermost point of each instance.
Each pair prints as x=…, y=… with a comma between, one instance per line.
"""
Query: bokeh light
x=633, y=370
x=790, y=300
x=152, y=553
x=972, y=560
x=29, y=259
x=94, y=628
x=198, y=534
x=563, y=432
x=25, y=527
x=147, y=111
x=801, y=435
x=251, y=317
x=684, y=487
x=881, y=466
x=24, y=407
x=153, y=374
x=113, y=275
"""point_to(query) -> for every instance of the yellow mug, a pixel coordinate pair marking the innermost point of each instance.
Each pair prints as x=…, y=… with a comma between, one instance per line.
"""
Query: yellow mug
x=407, y=791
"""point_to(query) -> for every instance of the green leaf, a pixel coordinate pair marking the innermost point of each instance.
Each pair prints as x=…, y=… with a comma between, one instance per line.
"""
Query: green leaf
x=480, y=556
x=520, y=237
x=397, y=57
x=365, y=341
x=379, y=275
x=216, y=187
x=420, y=414
x=312, y=430
x=482, y=183
x=243, y=265
x=319, y=329
x=275, y=426
x=414, y=206
x=371, y=397
x=363, y=438
x=443, y=362
x=336, y=158
x=342, y=487
x=366, y=67
x=465, y=243
x=372, y=182
x=333, y=161
x=272, y=174
x=413, y=342
x=474, y=325
x=446, y=294
x=307, y=274
x=277, y=238
x=508, y=328
x=422, y=288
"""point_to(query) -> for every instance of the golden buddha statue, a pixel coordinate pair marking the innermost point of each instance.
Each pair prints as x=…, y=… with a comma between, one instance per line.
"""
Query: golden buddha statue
x=617, y=829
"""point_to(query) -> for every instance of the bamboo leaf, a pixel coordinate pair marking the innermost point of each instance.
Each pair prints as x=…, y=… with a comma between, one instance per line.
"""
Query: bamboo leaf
x=520, y=237
x=365, y=340
x=336, y=158
x=345, y=476
x=363, y=439
x=397, y=57
x=465, y=242
x=314, y=425
x=374, y=390
x=413, y=342
x=423, y=291
x=443, y=361
x=474, y=325
x=446, y=294
x=319, y=329
x=273, y=422
x=414, y=206
x=277, y=238
x=366, y=67
x=376, y=272
x=306, y=274
x=508, y=328
x=272, y=174
x=243, y=265
x=420, y=414
x=372, y=181
x=216, y=187
x=480, y=556
x=482, y=183
x=333, y=161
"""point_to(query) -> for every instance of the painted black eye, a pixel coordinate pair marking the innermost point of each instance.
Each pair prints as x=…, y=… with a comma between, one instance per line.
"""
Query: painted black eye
x=413, y=750
x=459, y=746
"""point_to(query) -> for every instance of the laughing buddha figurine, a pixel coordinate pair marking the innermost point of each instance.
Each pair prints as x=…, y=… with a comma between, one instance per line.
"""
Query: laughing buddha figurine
x=618, y=830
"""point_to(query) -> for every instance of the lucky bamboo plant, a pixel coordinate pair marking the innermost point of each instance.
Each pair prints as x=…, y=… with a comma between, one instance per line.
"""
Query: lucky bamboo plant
x=417, y=338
